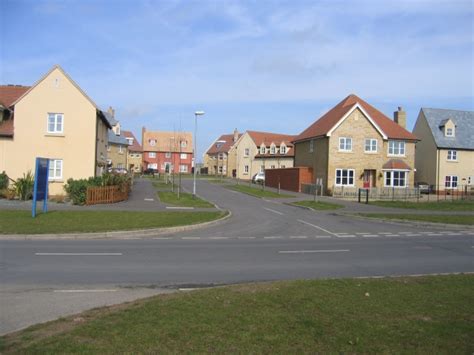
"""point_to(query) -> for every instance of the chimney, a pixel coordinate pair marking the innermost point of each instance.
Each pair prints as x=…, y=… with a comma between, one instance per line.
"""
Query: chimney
x=400, y=117
x=111, y=111
x=236, y=135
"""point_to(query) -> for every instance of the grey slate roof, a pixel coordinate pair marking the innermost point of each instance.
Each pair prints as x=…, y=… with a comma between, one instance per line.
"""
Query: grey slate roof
x=114, y=139
x=464, y=133
x=109, y=118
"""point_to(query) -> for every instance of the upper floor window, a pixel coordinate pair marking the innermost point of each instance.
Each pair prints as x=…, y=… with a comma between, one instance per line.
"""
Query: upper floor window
x=221, y=156
x=262, y=149
x=183, y=156
x=272, y=149
x=120, y=149
x=452, y=155
x=283, y=149
x=311, y=146
x=345, y=144
x=184, y=144
x=370, y=145
x=55, y=169
x=130, y=141
x=396, y=148
x=55, y=122
x=152, y=142
x=246, y=152
x=151, y=155
x=168, y=155
x=449, y=132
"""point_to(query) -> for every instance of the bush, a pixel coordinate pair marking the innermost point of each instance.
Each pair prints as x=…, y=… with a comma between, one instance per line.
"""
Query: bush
x=3, y=181
x=24, y=186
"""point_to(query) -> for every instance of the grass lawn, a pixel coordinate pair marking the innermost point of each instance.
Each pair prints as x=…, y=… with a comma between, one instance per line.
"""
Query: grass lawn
x=257, y=191
x=159, y=184
x=185, y=200
x=429, y=315
x=219, y=181
x=318, y=205
x=20, y=222
x=448, y=219
x=460, y=205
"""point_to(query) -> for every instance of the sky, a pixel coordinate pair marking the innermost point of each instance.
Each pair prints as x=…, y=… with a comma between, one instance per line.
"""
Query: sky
x=265, y=65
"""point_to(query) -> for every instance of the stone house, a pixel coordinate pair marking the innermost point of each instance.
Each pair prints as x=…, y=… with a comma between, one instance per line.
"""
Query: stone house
x=354, y=145
x=134, y=159
x=216, y=159
x=117, y=148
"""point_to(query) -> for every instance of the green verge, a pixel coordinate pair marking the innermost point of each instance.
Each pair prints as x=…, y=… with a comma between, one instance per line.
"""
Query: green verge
x=447, y=219
x=258, y=192
x=429, y=315
x=460, y=205
x=185, y=200
x=318, y=205
x=21, y=222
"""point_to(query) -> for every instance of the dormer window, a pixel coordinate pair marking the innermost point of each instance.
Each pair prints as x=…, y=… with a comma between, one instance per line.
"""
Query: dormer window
x=449, y=132
x=272, y=149
x=130, y=141
x=152, y=142
x=184, y=144
x=262, y=149
x=283, y=149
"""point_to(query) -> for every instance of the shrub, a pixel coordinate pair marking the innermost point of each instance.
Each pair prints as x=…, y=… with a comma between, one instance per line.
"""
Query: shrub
x=24, y=186
x=3, y=180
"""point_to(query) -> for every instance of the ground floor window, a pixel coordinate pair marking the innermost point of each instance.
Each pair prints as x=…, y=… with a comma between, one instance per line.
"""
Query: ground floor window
x=152, y=166
x=220, y=169
x=55, y=169
x=451, y=182
x=246, y=169
x=395, y=178
x=344, y=177
x=183, y=168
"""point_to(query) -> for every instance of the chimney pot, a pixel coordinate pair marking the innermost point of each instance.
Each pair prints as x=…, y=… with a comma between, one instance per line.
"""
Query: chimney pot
x=400, y=117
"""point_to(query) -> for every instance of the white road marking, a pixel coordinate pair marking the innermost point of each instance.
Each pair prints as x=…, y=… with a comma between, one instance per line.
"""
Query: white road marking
x=216, y=238
x=298, y=237
x=315, y=226
x=345, y=236
x=79, y=254
x=405, y=232
x=179, y=208
x=161, y=238
x=413, y=235
x=322, y=236
x=245, y=237
x=313, y=251
x=84, y=291
x=149, y=199
x=191, y=238
x=385, y=233
x=370, y=236
x=277, y=212
x=391, y=235
x=362, y=233
x=272, y=237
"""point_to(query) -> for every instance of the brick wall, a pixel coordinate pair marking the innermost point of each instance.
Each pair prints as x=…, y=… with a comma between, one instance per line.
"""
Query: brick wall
x=289, y=178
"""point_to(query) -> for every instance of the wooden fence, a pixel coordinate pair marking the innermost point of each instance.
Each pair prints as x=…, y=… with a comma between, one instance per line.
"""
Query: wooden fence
x=106, y=194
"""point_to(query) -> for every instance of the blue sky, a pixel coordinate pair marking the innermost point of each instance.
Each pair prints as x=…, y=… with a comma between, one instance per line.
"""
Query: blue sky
x=259, y=65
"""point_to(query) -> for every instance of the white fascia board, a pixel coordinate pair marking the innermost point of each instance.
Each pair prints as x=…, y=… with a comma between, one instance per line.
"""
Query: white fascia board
x=384, y=136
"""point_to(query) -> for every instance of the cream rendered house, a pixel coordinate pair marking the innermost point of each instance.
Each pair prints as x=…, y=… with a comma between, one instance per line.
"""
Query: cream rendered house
x=216, y=159
x=255, y=152
x=445, y=154
x=54, y=119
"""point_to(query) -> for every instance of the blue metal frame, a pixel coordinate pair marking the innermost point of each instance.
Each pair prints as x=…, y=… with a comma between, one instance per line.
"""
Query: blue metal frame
x=35, y=190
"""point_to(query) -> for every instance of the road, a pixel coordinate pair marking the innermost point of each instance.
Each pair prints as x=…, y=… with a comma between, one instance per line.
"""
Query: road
x=264, y=240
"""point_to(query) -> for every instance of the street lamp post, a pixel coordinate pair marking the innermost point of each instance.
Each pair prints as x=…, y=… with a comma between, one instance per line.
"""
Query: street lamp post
x=196, y=114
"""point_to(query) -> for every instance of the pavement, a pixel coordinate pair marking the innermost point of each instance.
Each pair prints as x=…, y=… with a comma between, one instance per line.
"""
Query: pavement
x=263, y=240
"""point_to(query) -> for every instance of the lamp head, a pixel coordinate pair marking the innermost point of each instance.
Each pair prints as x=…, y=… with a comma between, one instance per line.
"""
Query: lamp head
x=199, y=113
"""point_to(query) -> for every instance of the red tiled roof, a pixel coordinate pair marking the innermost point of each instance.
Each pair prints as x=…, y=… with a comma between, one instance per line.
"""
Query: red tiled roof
x=268, y=138
x=326, y=122
x=227, y=142
x=10, y=93
x=396, y=164
x=135, y=147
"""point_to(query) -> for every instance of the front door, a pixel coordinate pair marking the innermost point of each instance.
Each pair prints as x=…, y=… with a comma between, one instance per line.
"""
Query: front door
x=369, y=179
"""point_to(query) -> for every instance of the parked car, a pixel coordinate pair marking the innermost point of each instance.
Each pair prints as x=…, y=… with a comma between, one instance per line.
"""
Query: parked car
x=150, y=171
x=423, y=187
x=122, y=171
x=259, y=178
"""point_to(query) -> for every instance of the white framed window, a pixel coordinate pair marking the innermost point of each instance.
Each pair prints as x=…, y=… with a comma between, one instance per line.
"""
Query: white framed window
x=395, y=178
x=55, y=123
x=168, y=155
x=452, y=155
x=55, y=169
x=396, y=148
x=246, y=152
x=311, y=146
x=120, y=149
x=283, y=149
x=151, y=155
x=130, y=141
x=246, y=169
x=451, y=182
x=183, y=156
x=221, y=156
x=272, y=149
x=262, y=149
x=184, y=144
x=152, y=142
x=183, y=168
x=449, y=132
x=220, y=169
x=370, y=145
x=344, y=177
x=152, y=166
x=345, y=144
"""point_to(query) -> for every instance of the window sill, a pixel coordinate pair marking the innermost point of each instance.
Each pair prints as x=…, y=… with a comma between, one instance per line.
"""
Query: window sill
x=396, y=156
x=56, y=180
x=55, y=135
x=452, y=161
x=370, y=152
x=345, y=151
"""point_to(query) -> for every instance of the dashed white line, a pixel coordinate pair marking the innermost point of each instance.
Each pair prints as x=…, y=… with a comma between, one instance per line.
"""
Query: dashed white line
x=79, y=254
x=315, y=226
x=191, y=238
x=322, y=236
x=162, y=238
x=370, y=236
x=345, y=236
x=245, y=237
x=218, y=238
x=277, y=212
x=313, y=251
x=85, y=291
x=298, y=237
x=272, y=237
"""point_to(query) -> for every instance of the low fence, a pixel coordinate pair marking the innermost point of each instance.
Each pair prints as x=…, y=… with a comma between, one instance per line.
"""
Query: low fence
x=464, y=192
x=312, y=189
x=106, y=194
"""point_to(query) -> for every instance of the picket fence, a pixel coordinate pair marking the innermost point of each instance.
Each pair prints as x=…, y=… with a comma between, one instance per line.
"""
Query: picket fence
x=106, y=194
